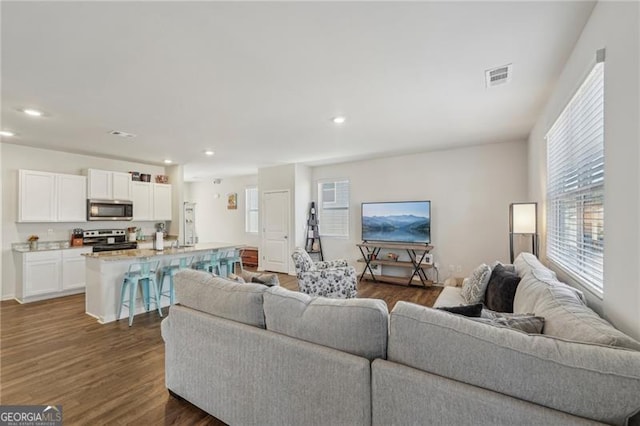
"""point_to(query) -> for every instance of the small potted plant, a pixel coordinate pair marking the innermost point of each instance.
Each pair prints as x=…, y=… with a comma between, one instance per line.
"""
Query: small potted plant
x=33, y=242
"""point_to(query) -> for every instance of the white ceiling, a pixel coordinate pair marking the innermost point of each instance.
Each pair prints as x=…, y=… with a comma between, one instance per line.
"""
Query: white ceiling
x=259, y=82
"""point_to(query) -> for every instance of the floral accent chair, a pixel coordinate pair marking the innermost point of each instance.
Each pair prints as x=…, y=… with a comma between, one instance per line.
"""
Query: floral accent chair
x=334, y=279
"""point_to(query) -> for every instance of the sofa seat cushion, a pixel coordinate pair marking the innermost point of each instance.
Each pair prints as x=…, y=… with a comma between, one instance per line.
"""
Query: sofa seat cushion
x=221, y=297
x=592, y=381
x=565, y=313
x=449, y=296
x=356, y=326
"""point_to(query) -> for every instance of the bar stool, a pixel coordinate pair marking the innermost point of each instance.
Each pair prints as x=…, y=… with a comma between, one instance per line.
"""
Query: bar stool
x=201, y=263
x=170, y=270
x=214, y=263
x=140, y=274
x=230, y=259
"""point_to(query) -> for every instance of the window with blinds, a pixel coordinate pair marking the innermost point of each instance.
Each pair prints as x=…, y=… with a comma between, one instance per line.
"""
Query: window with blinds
x=333, y=208
x=575, y=183
x=251, y=210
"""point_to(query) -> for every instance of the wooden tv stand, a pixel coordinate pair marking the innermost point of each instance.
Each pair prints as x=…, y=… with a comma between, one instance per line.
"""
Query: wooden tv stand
x=417, y=252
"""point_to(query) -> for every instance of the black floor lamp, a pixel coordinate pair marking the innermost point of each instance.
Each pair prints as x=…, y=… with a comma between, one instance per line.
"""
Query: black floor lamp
x=523, y=220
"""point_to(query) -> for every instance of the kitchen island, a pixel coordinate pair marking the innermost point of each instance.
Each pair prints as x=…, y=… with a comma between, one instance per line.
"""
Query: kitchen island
x=105, y=272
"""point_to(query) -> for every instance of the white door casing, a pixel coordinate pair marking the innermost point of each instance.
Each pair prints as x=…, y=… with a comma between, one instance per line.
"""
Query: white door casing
x=275, y=249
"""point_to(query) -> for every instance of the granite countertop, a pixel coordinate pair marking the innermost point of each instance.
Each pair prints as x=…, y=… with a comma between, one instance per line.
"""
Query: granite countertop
x=145, y=253
x=44, y=246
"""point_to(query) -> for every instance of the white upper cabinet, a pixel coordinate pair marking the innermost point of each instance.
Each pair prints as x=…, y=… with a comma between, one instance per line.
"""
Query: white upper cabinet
x=121, y=184
x=142, y=197
x=37, y=196
x=72, y=198
x=51, y=197
x=107, y=185
x=161, y=201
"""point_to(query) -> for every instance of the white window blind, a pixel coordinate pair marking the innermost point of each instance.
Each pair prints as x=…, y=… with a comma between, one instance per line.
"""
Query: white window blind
x=333, y=211
x=575, y=184
x=251, y=207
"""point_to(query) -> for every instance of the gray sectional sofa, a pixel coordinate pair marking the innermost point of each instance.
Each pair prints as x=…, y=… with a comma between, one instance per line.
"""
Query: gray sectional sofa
x=250, y=355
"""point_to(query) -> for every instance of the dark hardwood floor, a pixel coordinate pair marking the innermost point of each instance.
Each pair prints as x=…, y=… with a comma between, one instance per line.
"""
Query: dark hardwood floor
x=52, y=353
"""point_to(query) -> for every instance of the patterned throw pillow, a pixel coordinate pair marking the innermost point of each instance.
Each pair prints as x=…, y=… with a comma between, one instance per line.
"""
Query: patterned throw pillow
x=474, y=288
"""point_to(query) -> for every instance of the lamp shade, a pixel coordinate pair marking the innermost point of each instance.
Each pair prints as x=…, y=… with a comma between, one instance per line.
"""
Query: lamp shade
x=523, y=218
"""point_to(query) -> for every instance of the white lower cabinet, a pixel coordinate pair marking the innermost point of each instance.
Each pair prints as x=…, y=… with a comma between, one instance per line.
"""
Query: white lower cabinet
x=73, y=268
x=49, y=274
x=41, y=272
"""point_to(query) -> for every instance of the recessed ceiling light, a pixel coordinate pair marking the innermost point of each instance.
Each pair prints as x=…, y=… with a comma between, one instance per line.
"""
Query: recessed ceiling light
x=209, y=152
x=6, y=133
x=338, y=120
x=167, y=161
x=32, y=112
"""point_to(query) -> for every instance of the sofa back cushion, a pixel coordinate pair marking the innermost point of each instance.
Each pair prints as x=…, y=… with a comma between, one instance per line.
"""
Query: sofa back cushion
x=592, y=381
x=221, y=297
x=564, y=311
x=356, y=326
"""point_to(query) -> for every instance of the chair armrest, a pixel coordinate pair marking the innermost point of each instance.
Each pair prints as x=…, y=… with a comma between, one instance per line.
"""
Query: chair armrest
x=331, y=264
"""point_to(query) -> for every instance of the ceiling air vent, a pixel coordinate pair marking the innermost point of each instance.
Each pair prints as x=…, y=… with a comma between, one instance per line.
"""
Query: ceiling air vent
x=122, y=134
x=497, y=76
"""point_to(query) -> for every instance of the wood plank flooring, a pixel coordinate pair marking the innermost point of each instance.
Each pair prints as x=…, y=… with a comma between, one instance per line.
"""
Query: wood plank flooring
x=52, y=353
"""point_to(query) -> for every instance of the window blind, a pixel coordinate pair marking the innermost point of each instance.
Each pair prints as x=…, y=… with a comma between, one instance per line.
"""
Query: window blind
x=333, y=211
x=251, y=213
x=575, y=184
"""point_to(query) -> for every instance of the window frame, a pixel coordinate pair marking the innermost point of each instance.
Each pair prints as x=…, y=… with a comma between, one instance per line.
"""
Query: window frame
x=567, y=244
x=248, y=210
x=320, y=209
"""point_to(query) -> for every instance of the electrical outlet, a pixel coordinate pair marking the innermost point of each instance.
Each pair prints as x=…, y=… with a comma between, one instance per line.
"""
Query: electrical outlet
x=458, y=269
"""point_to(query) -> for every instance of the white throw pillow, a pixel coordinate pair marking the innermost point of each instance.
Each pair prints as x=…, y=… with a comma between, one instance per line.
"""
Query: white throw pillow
x=474, y=288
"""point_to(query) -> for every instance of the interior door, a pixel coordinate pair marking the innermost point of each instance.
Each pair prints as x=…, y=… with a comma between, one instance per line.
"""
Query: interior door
x=275, y=231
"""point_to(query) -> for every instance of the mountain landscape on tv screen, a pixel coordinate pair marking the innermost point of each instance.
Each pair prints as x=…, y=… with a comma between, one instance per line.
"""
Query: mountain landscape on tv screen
x=398, y=228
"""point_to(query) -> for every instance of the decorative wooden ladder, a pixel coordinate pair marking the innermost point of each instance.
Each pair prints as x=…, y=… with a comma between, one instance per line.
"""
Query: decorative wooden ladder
x=313, y=245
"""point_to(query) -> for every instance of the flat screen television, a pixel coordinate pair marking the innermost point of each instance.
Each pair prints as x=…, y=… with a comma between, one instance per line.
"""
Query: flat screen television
x=397, y=222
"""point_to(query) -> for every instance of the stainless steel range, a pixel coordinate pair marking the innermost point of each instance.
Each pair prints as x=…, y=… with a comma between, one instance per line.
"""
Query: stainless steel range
x=107, y=240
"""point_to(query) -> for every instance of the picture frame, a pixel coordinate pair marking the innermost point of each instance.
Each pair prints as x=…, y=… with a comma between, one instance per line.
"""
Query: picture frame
x=232, y=201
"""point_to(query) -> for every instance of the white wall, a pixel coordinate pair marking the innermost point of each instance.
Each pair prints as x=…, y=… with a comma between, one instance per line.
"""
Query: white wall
x=470, y=191
x=614, y=26
x=214, y=222
x=302, y=201
x=16, y=157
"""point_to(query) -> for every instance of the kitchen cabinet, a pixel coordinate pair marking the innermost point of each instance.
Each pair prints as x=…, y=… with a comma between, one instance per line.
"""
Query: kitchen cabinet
x=51, y=197
x=36, y=194
x=108, y=185
x=51, y=273
x=41, y=273
x=161, y=201
x=151, y=201
x=142, y=197
x=73, y=268
x=71, y=198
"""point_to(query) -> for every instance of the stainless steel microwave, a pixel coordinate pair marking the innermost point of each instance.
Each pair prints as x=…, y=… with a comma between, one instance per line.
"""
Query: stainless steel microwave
x=109, y=210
